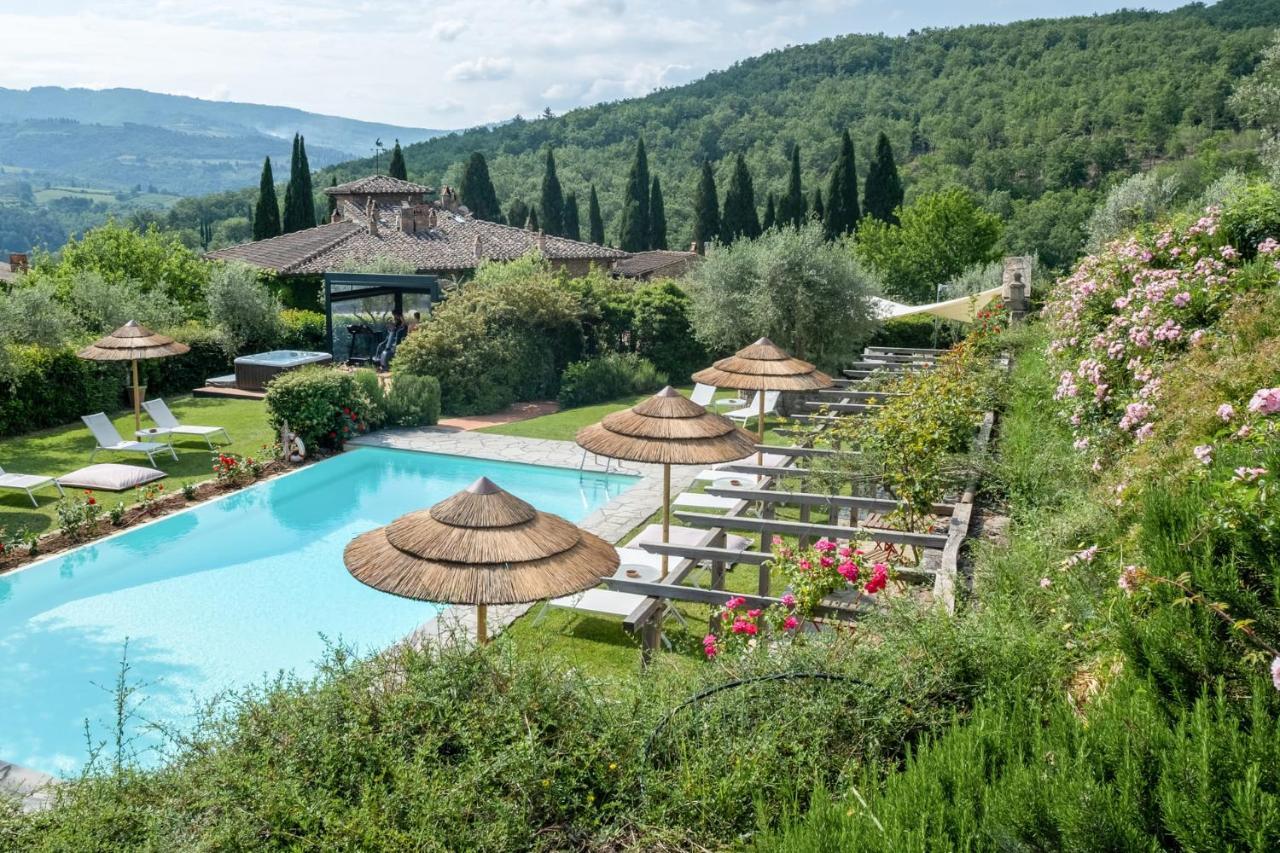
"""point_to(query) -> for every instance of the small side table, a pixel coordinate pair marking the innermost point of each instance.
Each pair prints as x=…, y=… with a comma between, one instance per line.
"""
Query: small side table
x=159, y=435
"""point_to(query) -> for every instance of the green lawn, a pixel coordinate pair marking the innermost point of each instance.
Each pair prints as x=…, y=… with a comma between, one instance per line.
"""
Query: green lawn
x=63, y=449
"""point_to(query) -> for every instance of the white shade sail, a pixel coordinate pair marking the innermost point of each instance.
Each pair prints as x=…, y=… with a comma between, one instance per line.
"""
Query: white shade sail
x=963, y=308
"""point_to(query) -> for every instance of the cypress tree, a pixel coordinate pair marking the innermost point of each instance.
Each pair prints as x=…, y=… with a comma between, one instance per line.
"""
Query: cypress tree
x=739, y=218
x=476, y=189
x=266, y=216
x=817, y=207
x=633, y=227
x=307, y=195
x=518, y=214
x=657, y=217
x=397, y=168
x=551, y=205
x=791, y=207
x=770, y=214
x=842, y=212
x=572, y=229
x=706, y=209
x=883, y=187
x=299, y=204
x=595, y=222
x=531, y=224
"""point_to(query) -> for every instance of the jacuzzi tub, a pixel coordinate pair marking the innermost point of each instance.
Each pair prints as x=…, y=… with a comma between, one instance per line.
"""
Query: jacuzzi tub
x=253, y=372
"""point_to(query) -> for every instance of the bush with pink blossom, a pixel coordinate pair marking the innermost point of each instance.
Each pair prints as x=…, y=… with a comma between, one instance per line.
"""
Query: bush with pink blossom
x=1123, y=314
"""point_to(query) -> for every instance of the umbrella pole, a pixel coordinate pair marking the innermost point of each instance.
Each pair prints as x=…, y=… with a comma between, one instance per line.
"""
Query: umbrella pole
x=666, y=513
x=137, y=402
x=760, y=429
x=482, y=623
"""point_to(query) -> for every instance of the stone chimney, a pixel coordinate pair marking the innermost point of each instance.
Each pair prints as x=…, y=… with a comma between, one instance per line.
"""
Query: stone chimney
x=448, y=198
x=415, y=218
x=18, y=261
x=479, y=248
x=371, y=211
x=695, y=248
x=542, y=243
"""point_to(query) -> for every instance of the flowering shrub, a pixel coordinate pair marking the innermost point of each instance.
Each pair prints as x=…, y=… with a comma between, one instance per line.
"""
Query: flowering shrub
x=232, y=470
x=1125, y=312
x=76, y=517
x=742, y=625
x=148, y=495
x=320, y=404
x=818, y=571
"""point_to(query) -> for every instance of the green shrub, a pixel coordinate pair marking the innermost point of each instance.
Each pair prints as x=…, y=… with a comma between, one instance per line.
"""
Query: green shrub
x=917, y=330
x=35, y=315
x=182, y=373
x=1250, y=216
x=504, y=336
x=243, y=307
x=303, y=330
x=375, y=411
x=607, y=378
x=42, y=387
x=413, y=401
x=314, y=401
x=662, y=332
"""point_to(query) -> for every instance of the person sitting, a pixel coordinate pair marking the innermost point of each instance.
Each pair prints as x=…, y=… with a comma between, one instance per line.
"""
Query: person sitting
x=396, y=332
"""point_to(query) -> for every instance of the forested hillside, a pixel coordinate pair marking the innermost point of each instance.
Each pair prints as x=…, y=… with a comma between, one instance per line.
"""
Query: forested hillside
x=1036, y=116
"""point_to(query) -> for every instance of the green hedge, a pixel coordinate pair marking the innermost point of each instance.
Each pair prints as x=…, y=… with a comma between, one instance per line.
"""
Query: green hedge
x=413, y=401
x=302, y=329
x=44, y=387
x=607, y=378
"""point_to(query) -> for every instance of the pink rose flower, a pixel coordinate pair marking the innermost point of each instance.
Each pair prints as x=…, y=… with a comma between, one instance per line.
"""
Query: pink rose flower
x=1275, y=673
x=1204, y=453
x=789, y=600
x=1226, y=411
x=790, y=623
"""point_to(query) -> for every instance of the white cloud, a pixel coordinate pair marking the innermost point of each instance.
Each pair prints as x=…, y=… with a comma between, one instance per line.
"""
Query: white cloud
x=481, y=68
x=447, y=30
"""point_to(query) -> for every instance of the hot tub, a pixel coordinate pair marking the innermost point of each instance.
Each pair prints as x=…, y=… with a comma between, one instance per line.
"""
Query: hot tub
x=253, y=372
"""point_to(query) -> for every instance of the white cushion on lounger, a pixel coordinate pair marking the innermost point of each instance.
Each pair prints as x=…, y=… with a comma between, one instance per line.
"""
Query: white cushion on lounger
x=110, y=477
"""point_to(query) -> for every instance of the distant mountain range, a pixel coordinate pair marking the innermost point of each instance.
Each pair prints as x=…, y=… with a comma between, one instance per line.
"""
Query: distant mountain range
x=120, y=138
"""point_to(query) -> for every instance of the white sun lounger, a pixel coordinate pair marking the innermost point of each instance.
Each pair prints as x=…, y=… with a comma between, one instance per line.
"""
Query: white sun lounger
x=697, y=500
x=28, y=483
x=740, y=481
x=169, y=425
x=685, y=536
x=752, y=408
x=108, y=438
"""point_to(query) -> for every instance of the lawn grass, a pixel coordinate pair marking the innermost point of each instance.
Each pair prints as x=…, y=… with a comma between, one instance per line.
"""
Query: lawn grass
x=63, y=449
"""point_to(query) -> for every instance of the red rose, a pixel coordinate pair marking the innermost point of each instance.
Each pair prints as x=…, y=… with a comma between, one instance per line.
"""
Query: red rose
x=92, y=501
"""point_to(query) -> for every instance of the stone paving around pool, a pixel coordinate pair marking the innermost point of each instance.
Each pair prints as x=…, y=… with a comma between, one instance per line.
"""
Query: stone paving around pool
x=610, y=522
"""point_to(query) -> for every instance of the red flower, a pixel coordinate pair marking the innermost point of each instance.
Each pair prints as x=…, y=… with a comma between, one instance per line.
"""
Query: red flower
x=92, y=501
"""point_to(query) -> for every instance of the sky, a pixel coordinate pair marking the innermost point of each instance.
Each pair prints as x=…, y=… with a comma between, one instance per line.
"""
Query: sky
x=441, y=63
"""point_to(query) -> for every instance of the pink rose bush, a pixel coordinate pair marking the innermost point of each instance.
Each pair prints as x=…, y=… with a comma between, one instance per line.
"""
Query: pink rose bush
x=812, y=574
x=1126, y=311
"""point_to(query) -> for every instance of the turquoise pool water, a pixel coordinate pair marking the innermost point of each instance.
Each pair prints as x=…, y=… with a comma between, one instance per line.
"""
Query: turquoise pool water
x=223, y=596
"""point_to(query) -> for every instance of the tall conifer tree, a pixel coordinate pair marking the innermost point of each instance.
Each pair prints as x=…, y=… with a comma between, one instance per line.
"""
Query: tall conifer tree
x=551, y=204
x=792, y=207
x=572, y=229
x=818, y=208
x=770, y=214
x=883, y=187
x=397, y=168
x=739, y=218
x=518, y=214
x=657, y=217
x=842, y=212
x=266, y=215
x=307, y=207
x=595, y=222
x=706, y=209
x=476, y=190
x=633, y=227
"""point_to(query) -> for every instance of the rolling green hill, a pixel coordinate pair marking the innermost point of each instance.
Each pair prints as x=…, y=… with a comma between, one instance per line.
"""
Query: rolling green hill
x=1036, y=116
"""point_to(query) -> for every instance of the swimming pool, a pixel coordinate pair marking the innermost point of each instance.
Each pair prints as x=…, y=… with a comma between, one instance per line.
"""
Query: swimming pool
x=223, y=595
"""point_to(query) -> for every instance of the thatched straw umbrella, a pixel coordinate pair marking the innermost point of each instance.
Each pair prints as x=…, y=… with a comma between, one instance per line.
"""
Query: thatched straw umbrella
x=668, y=429
x=763, y=366
x=132, y=342
x=482, y=546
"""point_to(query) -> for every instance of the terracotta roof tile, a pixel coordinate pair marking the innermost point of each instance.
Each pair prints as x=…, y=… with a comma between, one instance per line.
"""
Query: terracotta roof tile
x=377, y=184
x=641, y=264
